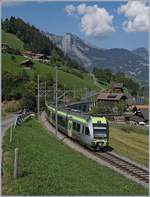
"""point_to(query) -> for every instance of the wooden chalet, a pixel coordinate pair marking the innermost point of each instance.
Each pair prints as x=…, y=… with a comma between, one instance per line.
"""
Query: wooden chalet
x=117, y=87
x=27, y=64
x=140, y=116
x=36, y=56
x=5, y=47
x=111, y=97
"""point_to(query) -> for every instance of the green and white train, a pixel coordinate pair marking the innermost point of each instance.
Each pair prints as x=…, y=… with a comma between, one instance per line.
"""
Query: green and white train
x=90, y=131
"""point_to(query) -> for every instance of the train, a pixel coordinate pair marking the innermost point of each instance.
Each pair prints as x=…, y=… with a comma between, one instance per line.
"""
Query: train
x=90, y=131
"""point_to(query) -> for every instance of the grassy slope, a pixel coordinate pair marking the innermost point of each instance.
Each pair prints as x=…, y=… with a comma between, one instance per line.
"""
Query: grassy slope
x=67, y=79
x=12, y=40
x=131, y=142
x=48, y=167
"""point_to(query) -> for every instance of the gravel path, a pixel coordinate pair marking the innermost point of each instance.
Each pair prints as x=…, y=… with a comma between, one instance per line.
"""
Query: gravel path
x=81, y=149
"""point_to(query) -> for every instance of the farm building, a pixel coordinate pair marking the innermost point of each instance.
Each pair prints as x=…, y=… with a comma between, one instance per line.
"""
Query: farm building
x=111, y=97
x=36, y=56
x=27, y=64
x=140, y=116
x=118, y=87
x=4, y=46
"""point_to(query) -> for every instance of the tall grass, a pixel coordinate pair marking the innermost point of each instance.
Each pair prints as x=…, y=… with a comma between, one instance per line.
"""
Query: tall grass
x=11, y=106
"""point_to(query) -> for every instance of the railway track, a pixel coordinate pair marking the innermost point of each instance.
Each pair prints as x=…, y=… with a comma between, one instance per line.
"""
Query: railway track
x=132, y=169
x=123, y=166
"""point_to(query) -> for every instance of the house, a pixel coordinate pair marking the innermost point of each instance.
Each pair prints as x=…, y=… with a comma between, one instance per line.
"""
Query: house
x=27, y=64
x=111, y=97
x=140, y=116
x=27, y=54
x=35, y=56
x=117, y=87
x=4, y=47
x=40, y=56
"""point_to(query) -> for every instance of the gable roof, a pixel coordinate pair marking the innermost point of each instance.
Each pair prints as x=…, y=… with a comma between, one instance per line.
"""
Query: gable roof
x=117, y=85
x=145, y=113
x=111, y=96
x=137, y=118
x=26, y=61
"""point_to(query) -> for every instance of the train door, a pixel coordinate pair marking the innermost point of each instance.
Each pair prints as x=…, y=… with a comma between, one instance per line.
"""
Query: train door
x=82, y=134
x=70, y=128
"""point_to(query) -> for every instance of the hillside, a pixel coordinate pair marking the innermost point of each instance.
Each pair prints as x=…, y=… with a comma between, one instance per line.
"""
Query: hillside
x=117, y=59
x=141, y=52
x=12, y=40
x=65, y=79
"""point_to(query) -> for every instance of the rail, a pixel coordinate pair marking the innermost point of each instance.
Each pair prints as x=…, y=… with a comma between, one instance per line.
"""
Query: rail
x=134, y=170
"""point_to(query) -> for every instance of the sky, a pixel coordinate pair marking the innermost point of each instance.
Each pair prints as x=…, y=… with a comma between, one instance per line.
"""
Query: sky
x=103, y=24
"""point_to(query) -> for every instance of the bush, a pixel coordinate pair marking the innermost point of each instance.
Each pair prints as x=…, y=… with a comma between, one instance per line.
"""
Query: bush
x=12, y=106
x=109, y=108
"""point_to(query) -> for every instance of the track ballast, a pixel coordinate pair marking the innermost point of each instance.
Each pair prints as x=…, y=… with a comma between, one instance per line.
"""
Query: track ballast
x=132, y=169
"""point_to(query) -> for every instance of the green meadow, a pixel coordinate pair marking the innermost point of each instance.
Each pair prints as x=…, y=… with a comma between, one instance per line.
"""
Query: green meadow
x=130, y=141
x=48, y=167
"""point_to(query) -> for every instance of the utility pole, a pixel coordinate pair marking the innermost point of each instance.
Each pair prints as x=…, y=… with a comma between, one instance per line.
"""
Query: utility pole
x=64, y=96
x=45, y=92
x=54, y=92
x=74, y=93
x=38, y=96
x=56, y=100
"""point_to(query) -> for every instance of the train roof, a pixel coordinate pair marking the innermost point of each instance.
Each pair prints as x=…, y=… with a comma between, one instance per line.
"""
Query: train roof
x=78, y=115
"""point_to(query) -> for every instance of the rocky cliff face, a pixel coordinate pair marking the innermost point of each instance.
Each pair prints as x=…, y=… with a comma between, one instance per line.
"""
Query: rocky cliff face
x=134, y=63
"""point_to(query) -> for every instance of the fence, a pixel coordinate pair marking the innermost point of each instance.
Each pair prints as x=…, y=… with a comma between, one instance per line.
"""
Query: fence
x=21, y=118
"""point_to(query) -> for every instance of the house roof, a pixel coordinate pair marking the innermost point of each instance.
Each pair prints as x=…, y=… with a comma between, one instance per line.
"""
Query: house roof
x=136, y=118
x=26, y=61
x=117, y=85
x=111, y=96
x=27, y=52
x=145, y=113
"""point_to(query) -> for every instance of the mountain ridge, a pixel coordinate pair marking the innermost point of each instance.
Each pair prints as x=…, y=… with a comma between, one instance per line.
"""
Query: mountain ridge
x=117, y=59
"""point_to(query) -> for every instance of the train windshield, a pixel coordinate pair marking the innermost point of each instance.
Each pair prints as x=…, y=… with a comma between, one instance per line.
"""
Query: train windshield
x=100, y=130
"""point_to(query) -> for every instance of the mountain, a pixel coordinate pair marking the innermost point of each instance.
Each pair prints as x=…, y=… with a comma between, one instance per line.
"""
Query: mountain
x=117, y=59
x=143, y=52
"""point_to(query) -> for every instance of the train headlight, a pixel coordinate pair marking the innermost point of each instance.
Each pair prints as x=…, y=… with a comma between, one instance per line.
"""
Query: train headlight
x=101, y=143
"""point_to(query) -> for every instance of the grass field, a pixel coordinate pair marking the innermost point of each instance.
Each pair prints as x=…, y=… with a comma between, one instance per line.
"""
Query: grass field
x=130, y=141
x=12, y=40
x=48, y=167
x=66, y=79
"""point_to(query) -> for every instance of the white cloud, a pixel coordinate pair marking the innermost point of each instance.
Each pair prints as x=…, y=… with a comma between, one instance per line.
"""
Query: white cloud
x=137, y=13
x=94, y=21
x=70, y=9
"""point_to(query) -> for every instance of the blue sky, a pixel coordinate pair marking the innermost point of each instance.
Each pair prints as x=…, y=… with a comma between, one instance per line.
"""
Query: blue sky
x=52, y=17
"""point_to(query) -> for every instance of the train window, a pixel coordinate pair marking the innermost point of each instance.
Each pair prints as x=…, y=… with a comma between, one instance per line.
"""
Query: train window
x=53, y=116
x=78, y=127
x=74, y=125
x=83, y=128
x=62, y=121
x=87, y=132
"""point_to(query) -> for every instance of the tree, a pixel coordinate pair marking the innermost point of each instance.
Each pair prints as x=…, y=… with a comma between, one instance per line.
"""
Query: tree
x=29, y=98
x=55, y=59
x=13, y=58
x=103, y=75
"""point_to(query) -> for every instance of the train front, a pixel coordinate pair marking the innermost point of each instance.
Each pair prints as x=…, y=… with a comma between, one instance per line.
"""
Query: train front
x=100, y=132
